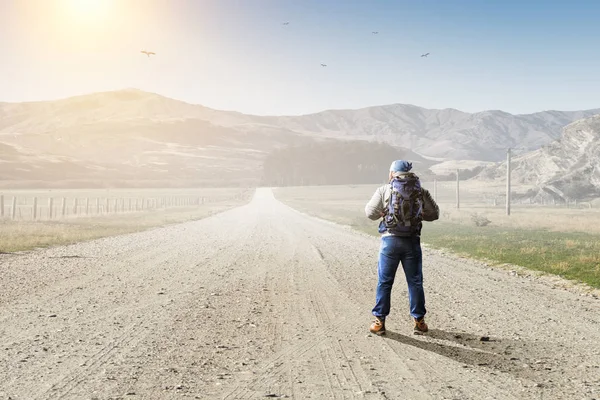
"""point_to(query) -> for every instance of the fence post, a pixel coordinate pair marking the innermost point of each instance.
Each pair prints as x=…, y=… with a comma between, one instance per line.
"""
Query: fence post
x=107, y=206
x=75, y=206
x=97, y=205
x=64, y=206
x=35, y=208
x=1, y=205
x=457, y=190
x=50, y=207
x=14, y=208
x=87, y=206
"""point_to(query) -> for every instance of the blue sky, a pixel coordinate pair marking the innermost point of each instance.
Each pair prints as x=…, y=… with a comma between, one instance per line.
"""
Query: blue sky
x=518, y=56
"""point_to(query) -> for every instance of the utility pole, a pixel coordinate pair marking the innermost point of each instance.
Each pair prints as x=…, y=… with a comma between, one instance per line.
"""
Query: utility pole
x=508, y=166
x=435, y=189
x=457, y=190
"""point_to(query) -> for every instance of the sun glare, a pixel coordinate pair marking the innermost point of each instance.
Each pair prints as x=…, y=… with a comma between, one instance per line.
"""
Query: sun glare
x=89, y=9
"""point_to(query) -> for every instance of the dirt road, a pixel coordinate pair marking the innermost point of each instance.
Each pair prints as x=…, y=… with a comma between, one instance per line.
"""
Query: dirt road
x=262, y=301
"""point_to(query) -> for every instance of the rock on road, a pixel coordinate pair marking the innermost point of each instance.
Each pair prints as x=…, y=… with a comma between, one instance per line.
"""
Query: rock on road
x=263, y=301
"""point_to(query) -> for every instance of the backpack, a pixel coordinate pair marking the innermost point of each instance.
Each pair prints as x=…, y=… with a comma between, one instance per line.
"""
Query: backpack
x=404, y=212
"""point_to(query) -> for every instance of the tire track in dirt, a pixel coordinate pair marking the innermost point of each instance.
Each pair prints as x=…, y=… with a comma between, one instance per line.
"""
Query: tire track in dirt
x=425, y=367
x=217, y=261
x=154, y=255
x=308, y=272
x=62, y=388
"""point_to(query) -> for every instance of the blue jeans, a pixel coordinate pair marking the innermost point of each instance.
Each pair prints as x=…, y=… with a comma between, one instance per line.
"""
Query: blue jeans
x=395, y=250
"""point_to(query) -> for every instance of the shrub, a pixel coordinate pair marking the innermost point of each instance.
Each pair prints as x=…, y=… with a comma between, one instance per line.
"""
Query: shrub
x=480, y=220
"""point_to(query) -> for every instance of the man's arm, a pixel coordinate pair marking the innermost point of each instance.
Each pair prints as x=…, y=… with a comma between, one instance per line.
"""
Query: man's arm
x=374, y=208
x=431, y=211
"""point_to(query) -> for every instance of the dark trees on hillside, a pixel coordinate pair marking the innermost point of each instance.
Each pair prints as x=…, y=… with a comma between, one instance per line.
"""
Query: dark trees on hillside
x=330, y=163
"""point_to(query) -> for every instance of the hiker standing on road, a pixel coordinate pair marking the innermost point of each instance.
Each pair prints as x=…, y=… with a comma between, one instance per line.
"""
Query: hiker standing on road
x=403, y=204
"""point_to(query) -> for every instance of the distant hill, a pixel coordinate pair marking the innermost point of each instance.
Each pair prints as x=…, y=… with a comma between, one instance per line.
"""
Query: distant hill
x=448, y=134
x=131, y=137
x=568, y=168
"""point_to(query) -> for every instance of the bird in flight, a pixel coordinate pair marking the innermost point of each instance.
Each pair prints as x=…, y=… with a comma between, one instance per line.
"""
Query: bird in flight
x=323, y=65
x=286, y=23
x=424, y=55
x=148, y=53
x=375, y=33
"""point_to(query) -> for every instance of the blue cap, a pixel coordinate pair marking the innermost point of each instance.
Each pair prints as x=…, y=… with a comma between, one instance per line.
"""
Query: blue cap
x=400, y=166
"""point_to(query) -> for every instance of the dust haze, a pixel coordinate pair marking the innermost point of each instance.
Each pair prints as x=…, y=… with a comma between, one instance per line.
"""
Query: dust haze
x=151, y=248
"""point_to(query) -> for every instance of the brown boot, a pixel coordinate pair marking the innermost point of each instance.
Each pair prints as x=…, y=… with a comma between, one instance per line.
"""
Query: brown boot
x=378, y=326
x=420, y=325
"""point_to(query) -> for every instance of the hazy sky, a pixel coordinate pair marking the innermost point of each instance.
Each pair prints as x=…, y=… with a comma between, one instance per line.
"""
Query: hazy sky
x=516, y=55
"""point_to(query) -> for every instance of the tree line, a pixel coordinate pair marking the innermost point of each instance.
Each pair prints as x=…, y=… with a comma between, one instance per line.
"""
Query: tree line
x=334, y=163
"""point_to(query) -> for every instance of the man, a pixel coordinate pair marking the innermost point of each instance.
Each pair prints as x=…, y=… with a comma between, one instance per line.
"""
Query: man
x=402, y=204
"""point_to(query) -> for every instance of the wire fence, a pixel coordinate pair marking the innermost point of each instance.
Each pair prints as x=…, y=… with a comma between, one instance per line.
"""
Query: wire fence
x=476, y=194
x=46, y=208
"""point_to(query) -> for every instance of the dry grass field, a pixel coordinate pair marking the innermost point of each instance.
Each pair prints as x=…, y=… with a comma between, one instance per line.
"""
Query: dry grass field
x=562, y=240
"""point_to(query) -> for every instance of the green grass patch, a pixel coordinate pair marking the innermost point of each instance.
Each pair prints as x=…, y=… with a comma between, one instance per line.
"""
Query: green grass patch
x=570, y=255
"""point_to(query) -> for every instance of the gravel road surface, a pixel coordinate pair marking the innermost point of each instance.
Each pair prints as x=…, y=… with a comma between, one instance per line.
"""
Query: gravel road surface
x=265, y=302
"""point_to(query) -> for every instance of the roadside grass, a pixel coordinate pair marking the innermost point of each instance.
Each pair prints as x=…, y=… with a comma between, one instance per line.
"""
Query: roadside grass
x=27, y=235
x=572, y=255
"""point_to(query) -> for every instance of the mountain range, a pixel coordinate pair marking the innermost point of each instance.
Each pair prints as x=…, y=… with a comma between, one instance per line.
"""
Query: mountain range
x=568, y=168
x=130, y=136
x=440, y=134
